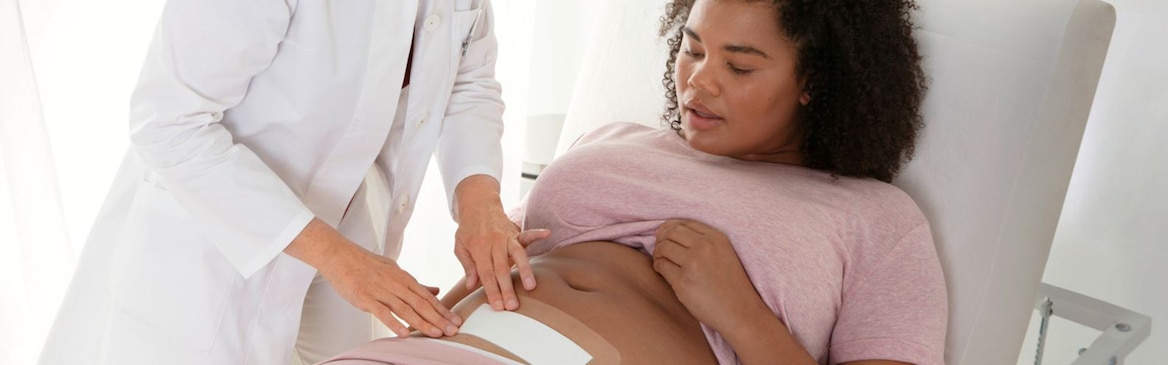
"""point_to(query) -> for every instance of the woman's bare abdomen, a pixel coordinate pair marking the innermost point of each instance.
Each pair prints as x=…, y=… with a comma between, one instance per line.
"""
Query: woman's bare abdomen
x=607, y=299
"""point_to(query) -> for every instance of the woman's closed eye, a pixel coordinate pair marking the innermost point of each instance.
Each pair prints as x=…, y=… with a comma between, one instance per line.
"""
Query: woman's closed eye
x=737, y=70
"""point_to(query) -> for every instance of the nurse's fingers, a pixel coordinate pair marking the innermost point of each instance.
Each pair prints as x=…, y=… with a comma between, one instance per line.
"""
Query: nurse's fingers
x=526, y=238
x=519, y=255
x=384, y=315
x=432, y=311
x=433, y=302
x=503, y=277
x=404, y=311
x=484, y=264
x=468, y=266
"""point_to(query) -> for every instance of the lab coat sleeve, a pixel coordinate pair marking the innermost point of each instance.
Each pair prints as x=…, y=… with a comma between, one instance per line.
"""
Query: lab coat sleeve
x=200, y=63
x=473, y=125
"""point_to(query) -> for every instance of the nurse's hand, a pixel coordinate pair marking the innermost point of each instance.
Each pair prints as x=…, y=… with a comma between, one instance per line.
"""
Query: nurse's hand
x=488, y=244
x=373, y=283
x=487, y=248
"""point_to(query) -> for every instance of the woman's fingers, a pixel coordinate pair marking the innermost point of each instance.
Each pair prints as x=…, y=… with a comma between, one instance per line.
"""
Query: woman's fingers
x=668, y=269
x=666, y=226
x=679, y=232
x=672, y=251
x=699, y=227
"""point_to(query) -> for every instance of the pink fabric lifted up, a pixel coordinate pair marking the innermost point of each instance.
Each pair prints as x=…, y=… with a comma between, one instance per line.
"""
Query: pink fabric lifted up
x=848, y=264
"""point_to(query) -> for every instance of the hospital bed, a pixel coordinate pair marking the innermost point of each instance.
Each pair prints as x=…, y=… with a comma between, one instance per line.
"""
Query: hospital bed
x=1011, y=87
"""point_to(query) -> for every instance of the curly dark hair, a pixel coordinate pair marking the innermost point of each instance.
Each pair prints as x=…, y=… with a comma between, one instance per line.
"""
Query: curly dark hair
x=863, y=73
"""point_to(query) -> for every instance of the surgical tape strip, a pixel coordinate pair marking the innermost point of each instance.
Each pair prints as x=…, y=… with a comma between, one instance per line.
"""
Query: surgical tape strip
x=531, y=340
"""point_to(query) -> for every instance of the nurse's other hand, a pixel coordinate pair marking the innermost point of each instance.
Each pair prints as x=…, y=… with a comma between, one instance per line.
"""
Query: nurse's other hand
x=488, y=244
x=375, y=284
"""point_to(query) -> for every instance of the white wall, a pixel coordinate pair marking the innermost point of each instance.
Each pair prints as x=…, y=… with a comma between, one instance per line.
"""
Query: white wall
x=1112, y=239
x=86, y=55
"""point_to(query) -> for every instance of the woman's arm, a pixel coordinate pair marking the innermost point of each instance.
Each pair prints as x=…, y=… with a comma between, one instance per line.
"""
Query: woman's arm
x=758, y=337
x=761, y=338
x=705, y=273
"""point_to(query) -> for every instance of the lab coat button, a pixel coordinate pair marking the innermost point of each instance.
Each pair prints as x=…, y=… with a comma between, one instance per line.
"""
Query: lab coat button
x=423, y=119
x=432, y=22
x=405, y=202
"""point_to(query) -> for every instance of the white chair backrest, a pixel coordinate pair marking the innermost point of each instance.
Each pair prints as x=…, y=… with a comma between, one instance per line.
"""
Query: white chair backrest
x=1011, y=88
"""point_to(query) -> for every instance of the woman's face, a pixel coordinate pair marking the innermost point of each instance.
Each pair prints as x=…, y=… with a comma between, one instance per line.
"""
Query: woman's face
x=736, y=84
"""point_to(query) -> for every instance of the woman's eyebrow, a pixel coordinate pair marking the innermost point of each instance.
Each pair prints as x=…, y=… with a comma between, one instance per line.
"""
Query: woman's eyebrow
x=733, y=48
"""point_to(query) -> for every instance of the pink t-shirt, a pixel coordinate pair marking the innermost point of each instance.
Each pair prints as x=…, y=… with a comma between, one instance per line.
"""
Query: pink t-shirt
x=847, y=264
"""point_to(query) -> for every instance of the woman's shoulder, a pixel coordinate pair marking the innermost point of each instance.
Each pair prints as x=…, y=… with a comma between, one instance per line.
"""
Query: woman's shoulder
x=876, y=201
x=615, y=131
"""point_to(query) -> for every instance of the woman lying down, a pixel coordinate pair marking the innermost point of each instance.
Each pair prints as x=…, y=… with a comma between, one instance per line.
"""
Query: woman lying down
x=758, y=229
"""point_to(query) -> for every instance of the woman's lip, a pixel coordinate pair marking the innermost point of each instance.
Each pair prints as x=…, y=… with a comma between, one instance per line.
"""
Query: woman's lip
x=697, y=121
x=699, y=108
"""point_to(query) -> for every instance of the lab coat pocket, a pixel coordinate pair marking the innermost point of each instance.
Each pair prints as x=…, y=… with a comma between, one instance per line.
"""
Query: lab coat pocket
x=469, y=27
x=177, y=284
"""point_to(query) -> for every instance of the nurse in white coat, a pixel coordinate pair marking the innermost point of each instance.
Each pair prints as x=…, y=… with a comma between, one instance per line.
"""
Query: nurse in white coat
x=239, y=228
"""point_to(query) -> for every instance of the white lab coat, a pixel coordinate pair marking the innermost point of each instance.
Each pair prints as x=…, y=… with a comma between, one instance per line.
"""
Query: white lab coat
x=250, y=118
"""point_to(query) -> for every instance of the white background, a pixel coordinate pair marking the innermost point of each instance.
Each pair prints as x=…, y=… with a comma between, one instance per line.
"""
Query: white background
x=1112, y=238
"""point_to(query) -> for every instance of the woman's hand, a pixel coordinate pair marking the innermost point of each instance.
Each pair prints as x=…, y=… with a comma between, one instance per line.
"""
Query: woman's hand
x=704, y=270
x=705, y=273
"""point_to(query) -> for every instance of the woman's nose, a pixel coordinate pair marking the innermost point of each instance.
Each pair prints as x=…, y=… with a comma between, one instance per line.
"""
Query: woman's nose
x=703, y=80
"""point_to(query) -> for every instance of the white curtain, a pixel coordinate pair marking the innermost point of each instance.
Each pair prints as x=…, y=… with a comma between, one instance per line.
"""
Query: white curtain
x=35, y=255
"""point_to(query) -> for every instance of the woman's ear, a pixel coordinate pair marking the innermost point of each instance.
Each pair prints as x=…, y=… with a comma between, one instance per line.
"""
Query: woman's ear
x=805, y=96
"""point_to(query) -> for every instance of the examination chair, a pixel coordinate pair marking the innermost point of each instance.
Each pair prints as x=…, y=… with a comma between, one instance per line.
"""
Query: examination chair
x=1011, y=86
